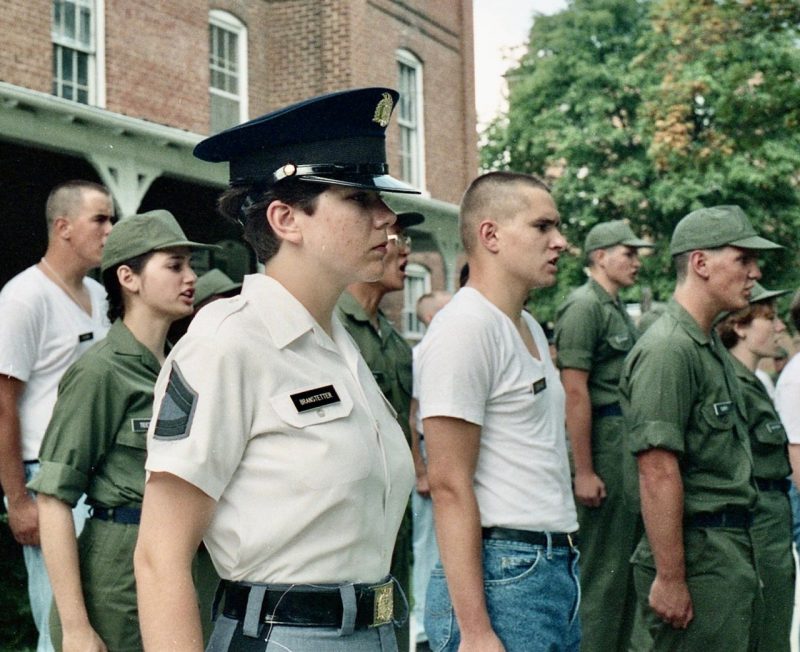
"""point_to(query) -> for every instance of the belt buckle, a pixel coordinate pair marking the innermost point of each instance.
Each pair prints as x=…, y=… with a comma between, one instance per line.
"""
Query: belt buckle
x=383, y=610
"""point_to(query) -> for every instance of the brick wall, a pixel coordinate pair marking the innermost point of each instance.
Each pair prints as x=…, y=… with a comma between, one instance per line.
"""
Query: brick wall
x=25, y=56
x=157, y=61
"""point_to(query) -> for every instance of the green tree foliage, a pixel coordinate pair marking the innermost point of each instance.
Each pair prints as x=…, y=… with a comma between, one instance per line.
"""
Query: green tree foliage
x=645, y=110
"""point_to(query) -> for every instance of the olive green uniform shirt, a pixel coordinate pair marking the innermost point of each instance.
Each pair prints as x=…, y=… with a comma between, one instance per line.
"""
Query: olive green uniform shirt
x=594, y=333
x=679, y=392
x=96, y=440
x=768, y=440
x=386, y=353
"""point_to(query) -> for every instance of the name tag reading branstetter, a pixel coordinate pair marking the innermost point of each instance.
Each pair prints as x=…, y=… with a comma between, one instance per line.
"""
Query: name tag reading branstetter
x=315, y=398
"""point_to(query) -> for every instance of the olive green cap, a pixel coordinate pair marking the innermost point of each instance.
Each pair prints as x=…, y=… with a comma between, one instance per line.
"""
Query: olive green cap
x=608, y=234
x=212, y=283
x=718, y=226
x=760, y=293
x=139, y=234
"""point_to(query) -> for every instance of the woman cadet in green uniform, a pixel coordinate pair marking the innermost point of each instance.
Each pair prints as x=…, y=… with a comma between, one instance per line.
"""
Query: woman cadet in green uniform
x=96, y=441
x=750, y=335
x=271, y=440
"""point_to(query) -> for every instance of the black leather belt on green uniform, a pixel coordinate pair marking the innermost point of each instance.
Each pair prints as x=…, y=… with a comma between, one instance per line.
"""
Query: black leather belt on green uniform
x=773, y=485
x=611, y=410
x=732, y=518
x=556, y=539
x=125, y=515
x=311, y=606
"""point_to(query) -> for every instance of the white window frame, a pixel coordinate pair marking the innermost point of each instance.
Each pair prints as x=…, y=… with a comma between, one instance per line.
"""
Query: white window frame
x=228, y=22
x=418, y=282
x=407, y=59
x=94, y=51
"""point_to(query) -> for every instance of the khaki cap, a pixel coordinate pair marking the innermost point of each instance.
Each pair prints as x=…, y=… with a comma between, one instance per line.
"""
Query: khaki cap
x=608, y=234
x=214, y=282
x=760, y=293
x=139, y=234
x=718, y=226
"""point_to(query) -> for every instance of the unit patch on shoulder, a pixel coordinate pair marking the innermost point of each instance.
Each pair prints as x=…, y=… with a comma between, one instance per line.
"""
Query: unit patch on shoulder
x=177, y=408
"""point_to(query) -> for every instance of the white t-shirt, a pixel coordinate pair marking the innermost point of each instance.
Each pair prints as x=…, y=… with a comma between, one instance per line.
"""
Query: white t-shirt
x=473, y=365
x=766, y=381
x=288, y=431
x=42, y=332
x=787, y=399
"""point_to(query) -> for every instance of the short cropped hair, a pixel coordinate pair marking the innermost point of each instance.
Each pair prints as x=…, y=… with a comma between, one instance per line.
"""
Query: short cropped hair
x=65, y=199
x=247, y=206
x=494, y=195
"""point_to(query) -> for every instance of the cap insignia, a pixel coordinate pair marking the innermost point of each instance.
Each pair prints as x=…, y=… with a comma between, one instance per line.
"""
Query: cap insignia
x=384, y=110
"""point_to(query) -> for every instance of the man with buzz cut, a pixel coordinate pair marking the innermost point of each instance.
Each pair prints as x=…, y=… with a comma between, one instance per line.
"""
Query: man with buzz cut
x=50, y=314
x=686, y=424
x=593, y=335
x=492, y=408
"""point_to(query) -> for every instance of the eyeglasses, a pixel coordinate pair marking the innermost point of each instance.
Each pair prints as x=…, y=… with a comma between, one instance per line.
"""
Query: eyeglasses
x=401, y=241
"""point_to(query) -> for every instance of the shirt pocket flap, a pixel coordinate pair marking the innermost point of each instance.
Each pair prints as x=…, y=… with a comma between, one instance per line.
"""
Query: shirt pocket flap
x=620, y=341
x=771, y=432
x=133, y=433
x=719, y=416
x=308, y=406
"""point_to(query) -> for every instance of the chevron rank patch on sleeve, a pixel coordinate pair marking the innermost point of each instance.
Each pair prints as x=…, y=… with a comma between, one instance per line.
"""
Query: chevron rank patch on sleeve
x=177, y=408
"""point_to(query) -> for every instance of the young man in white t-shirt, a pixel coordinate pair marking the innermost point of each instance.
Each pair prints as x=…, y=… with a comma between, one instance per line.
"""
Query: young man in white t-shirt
x=493, y=412
x=50, y=314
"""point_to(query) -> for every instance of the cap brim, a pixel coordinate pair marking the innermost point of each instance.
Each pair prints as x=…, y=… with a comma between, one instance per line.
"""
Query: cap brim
x=222, y=290
x=769, y=294
x=754, y=242
x=381, y=183
x=187, y=243
x=636, y=242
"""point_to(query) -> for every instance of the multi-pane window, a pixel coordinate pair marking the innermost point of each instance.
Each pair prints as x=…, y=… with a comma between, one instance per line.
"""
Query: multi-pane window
x=72, y=33
x=409, y=117
x=418, y=282
x=228, y=68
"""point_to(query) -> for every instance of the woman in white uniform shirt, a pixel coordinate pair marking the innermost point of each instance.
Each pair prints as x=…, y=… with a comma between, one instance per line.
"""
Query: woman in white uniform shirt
x=272, y=441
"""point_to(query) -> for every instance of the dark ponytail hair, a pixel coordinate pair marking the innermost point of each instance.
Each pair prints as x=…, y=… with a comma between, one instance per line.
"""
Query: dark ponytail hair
x=247, y=206
x=116, y=302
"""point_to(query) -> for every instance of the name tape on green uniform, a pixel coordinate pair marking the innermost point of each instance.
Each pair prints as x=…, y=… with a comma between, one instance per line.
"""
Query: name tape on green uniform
x=140, y=425
x=315, y=398
x=721, y=409
x=177, y=408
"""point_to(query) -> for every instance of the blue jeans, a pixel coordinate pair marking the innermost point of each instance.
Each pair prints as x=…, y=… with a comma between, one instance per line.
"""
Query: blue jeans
x=532, y=596
x=426, y=552
x=39, y=592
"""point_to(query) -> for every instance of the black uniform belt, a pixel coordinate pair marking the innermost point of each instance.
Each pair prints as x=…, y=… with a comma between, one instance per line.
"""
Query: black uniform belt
x=773, y=485
x=126, y=515
x=611, y=410
x=311, y=606
x=557, y=539
x=732, y=518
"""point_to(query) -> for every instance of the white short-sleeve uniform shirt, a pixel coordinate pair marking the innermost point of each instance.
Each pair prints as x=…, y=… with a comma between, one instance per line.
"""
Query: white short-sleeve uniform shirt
x=42, y=332
x=787, y=399
x=473, y=365
x=287, y=430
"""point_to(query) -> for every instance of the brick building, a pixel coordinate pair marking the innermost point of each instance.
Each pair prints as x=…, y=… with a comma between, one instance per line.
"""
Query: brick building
x=120, y=92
